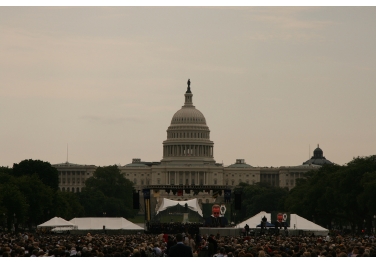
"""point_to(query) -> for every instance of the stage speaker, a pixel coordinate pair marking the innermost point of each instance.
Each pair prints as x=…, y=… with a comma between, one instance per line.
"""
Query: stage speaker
x=238, y=201
x=136, y=200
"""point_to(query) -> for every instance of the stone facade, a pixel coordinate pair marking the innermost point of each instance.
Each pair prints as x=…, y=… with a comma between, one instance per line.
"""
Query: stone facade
x=188, y=159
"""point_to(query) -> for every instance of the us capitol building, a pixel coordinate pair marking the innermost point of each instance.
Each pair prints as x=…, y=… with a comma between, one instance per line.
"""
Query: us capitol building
x=188, y=159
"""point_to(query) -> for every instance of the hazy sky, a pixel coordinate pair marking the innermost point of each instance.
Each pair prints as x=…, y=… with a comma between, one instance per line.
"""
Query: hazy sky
x=271, y=81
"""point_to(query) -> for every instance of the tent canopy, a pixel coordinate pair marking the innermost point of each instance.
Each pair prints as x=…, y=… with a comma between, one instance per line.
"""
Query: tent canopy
x=252, y=222
x=192, y=205
x=57, y=222
x=296, y=222
x=97, y=223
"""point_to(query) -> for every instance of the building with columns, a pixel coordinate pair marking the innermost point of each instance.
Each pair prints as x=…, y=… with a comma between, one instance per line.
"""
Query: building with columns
x=188, y=159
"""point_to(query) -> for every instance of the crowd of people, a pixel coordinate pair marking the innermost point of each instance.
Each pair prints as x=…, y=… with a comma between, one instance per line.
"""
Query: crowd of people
x=182, y=244
x=174, y=228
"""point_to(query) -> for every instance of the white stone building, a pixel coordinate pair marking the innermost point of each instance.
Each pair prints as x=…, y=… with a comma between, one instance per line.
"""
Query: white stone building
x=188, y=160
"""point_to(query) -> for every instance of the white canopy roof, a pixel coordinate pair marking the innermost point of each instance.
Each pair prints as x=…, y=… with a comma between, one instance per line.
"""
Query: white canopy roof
x=56, y=222
x=255, y=220
x=192, y=205
x=303, y=224
x=296, y=222
x=60, y=229
x=97, y=223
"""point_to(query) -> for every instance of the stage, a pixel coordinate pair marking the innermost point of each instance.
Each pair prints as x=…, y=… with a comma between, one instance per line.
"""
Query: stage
x=222, y=231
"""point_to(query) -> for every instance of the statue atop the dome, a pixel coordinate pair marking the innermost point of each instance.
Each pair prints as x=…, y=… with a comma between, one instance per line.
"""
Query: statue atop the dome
x=189, y=86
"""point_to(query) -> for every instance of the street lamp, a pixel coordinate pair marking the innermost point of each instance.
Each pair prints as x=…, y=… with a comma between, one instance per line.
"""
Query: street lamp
x=104, y=214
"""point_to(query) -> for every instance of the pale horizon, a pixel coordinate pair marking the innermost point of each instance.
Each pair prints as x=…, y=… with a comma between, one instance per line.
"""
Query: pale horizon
x=272, y=82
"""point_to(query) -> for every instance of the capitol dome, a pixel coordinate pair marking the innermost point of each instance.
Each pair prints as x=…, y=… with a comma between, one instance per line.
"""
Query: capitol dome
x=188, y=115
x=188, y=136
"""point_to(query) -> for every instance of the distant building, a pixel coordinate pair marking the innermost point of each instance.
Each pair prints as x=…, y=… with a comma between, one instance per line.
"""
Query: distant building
x=188, y=159
x=317, y=158
x=72, y=177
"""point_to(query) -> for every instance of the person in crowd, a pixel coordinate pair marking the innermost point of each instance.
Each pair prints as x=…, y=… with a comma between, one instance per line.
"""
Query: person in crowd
x=180, y=250
x=149, y=245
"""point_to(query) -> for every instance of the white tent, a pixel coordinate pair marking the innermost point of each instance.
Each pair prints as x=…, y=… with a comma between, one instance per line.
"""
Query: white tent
x=300, y=223
x=62, y=229
x=97, y=223
x=296, y=222
x=255, y=220
x=192, y=205
x=57, y=222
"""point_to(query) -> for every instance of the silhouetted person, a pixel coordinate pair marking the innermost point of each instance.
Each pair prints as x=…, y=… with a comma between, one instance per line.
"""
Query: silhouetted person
x=180, y=250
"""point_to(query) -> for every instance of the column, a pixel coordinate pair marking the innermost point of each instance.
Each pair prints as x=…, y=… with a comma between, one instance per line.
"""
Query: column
x=190, y=178
x=176, y=178
x=168, y=178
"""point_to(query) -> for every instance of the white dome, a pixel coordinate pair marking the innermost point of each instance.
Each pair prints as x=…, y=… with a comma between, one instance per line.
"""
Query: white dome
x=188, y=115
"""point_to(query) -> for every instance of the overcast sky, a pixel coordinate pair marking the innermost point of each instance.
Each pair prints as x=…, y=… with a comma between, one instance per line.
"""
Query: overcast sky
x=270, y=81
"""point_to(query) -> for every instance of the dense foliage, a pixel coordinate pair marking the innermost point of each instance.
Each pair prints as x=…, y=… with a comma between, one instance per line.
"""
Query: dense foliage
x=339, y=195
x=261, y=197
x=108, y=191
x=330, y=196
x=29, y=195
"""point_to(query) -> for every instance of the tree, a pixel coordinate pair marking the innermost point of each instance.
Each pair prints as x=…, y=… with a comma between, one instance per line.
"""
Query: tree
x=38, y=197
x=108, y=191
x=67, y=205
x=93, y=201
x=261, y=197
x=339, y=194
x=46, y=173
x=14, y=204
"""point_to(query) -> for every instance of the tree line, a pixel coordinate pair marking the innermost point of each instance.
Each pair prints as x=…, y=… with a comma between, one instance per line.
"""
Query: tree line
x=332, y=196
x=29, y=195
